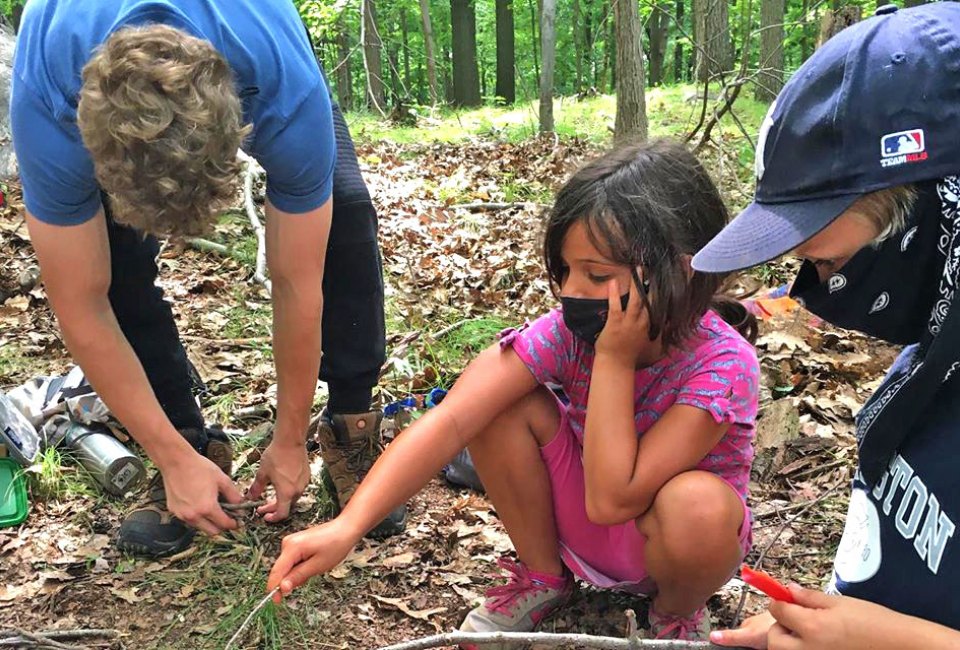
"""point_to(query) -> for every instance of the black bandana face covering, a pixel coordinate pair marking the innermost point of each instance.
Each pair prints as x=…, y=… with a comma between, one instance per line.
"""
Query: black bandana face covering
x=907, y=291
x=886, y=291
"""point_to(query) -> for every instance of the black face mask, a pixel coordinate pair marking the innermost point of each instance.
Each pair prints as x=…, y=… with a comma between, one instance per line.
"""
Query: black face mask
x=585, y=317
x=886, y=291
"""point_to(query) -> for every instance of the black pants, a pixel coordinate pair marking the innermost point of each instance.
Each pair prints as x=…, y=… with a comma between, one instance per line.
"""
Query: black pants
x=353, y=322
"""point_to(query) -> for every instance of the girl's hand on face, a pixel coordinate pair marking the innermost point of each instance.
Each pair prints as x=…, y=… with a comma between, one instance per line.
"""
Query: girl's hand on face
x=626, y=334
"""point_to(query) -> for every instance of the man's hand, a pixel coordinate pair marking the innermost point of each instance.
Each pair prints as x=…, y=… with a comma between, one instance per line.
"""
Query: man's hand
x=309, y=553
x=752, y=633
x=193, y=485
x=285, y=465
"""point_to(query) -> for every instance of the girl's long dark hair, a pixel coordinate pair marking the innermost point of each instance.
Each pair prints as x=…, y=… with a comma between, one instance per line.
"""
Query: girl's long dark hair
x=653, y=206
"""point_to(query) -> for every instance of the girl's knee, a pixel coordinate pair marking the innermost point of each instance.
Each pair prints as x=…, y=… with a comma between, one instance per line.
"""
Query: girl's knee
x=536, y=413
x=695, y=503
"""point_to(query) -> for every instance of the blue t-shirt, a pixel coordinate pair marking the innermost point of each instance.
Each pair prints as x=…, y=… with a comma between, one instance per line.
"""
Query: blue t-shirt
x=899, y=545
x=284, y=95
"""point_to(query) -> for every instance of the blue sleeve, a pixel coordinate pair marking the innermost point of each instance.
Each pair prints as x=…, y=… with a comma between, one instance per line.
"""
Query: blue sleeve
x=299, y=158
x=59, y=185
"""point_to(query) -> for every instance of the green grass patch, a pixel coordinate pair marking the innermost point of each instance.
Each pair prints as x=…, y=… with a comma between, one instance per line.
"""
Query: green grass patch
x=58, y=476
x=13, y=363
x=247, y=321
x=672, y=111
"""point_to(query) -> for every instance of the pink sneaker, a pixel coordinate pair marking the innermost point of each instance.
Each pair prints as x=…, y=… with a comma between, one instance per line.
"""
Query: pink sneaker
x=666, y=626
x=518, y=606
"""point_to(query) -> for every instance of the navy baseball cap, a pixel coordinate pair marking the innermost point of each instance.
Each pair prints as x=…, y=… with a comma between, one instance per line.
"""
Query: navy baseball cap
x=878, y=105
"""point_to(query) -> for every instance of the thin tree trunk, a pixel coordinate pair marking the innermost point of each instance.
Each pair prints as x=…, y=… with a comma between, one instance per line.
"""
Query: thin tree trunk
x=577, y=48
x=712, y=34
x=405, y=32
x=506, y=87
x=535, y=41
x=657, y=26
x=770, y=75
x=344, y=83
x=588, y=42
x=631, y=120
x=611, y=49
x=548, y=46
x=370, y=34
x=678, y=74
x=466, y=76
x=805, y=32
x=429, y=50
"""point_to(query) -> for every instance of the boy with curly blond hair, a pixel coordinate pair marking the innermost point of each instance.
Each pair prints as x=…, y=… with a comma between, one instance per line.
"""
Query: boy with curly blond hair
x=127, y=116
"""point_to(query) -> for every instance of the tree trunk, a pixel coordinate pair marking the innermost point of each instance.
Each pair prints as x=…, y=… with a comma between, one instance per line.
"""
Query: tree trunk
x=770, y=75
x=506, y=87
x=429, y=50
x=577, y=48
x=712, y=36
x=548, y=48
x=657, y=27
x=611, y=48
x=678, y=74
x=376, y=94
x=396, y=84
x=405, y=31
x=834, y=22
x=588, y=42
x=344, y=83
x=631, y=121
x=466, y=76
x=535, y=41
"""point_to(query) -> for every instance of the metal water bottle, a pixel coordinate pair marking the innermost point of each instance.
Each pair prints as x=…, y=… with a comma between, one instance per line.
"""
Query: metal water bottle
x=113, y=466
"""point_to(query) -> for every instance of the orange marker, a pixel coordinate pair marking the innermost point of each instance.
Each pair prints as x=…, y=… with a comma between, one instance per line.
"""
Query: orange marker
x=766, y=584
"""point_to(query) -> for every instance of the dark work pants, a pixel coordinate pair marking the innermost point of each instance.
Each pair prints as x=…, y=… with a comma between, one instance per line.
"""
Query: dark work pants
x=353, y=321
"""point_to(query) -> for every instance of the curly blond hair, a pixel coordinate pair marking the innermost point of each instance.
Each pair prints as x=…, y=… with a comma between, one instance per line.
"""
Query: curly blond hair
x=162, y=120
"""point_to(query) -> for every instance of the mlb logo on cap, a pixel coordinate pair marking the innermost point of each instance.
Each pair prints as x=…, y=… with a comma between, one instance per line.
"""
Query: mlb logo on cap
x=902, y=147
x=894, y=144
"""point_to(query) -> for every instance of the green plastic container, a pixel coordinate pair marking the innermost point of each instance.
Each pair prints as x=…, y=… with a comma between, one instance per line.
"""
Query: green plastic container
x=13, y=494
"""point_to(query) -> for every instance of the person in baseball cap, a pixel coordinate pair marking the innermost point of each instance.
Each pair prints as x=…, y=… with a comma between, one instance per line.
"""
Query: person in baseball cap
x=858, y=173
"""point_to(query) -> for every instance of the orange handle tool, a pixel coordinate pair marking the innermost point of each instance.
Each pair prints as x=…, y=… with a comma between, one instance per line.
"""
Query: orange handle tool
x=766, y=584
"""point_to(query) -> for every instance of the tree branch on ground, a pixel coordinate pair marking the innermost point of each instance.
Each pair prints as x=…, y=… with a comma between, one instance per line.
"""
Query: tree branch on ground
x=548, y=640
x=251, y=171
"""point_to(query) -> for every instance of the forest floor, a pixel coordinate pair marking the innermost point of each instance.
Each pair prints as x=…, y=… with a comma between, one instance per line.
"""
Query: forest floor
x=454, y=277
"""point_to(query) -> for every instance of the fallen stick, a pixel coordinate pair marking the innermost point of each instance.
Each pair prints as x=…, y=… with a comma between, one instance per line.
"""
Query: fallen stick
x=498, y=206
x=246, y=621
x=260, y=274
x=207, y=246
x=519, y=639
x=76, y=634
x=246, y=505
x=24, y=639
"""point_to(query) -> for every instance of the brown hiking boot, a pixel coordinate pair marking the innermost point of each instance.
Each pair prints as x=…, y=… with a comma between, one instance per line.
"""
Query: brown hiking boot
x=152, y=530
x=349, y=445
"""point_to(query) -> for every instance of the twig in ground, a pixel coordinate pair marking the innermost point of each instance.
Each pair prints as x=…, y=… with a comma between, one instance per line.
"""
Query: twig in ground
x=773, y=540
x=544, y=639
x=246, y=621
x=632, y=630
